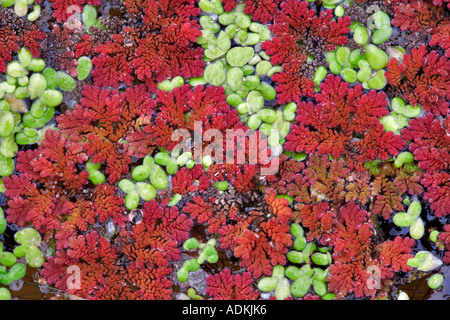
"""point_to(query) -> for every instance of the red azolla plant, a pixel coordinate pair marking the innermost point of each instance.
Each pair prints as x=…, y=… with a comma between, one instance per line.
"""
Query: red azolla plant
x=344, y=122
x=8, y=46
x=159, y=47
x=11, y=41
x=113, y=63
x=352, y=234
x=326, y=177
x=319, y=219
x=293, y=27
x=167, y=54
x=388, y=197
x=290, y=180
x=430, y=145
x=134, y=266
x=104, y=120
x=65, y=9
x=229, y=5
x=242, y=177
x=422, y=78
x=32, y=38
x=94, y=258
x=263, y=11
x=348, y=278
x=395, y=254
x=228, y=286
x=408, y=178
x=187, y=109
x=64, y=42
x=155, y=239
x=444, y=236
x=260, y=243
x=198, y=209
x=430, y=142
x=51, y=191
x=184, y=180
x=354, y=268
x=417, y=15
x=49, y=177
x=441, y=37
x=437, y=192
x=358, y=187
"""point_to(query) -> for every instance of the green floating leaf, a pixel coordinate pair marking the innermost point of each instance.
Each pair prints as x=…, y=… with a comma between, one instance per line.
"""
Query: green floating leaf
x=376, y=57
x=25, y=57
x=16, y=272
x=7, y=123
x=435, y=281
x=300, y=286
x=89, y=15
x=282, y=291
x=37, y=85
x=34, y=257
x=52, y=98
x=267, y=284
x=34, y=15
x=158, y=177
x=65, y=81
x=215, y=73
x=402, y=158
x=16, y=70
x=84, y=68
x=239, y=56
x=50, y=77
x=235, y=78
x=403, y=219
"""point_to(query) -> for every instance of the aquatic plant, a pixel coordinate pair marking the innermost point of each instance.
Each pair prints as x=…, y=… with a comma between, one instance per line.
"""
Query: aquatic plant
x=344, y=122
x=421, y=78
x=103, y=122
x=299, y=32
x=110, y=191
x=228, y=286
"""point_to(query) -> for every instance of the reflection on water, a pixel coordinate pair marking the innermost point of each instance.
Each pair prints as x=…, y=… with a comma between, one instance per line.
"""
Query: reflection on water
x=419, y=290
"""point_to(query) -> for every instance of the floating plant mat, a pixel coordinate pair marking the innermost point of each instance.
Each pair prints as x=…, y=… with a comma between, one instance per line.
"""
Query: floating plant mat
x=234, y=150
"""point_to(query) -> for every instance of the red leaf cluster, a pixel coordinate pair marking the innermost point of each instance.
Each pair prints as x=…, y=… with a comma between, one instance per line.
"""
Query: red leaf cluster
x=319, y=220
x=441, y=37
x=444, y=236
x=418, y=15
x=8, y=46
x=32, y=38
x=104, y=120
x=51, y=191
x=228, y=286
x=293, y=25
x=134, y=266
x=186, y=107
x=422, y=78
x=263, y=11
x=11, y=41
x=430, y=145
x=395, y=254
x=353, y=264
x=240, y=176
x=184, y=180
x=260, y=243
x=64, y=42
x=344, y=122
x=161, y=47
x=430, y=142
